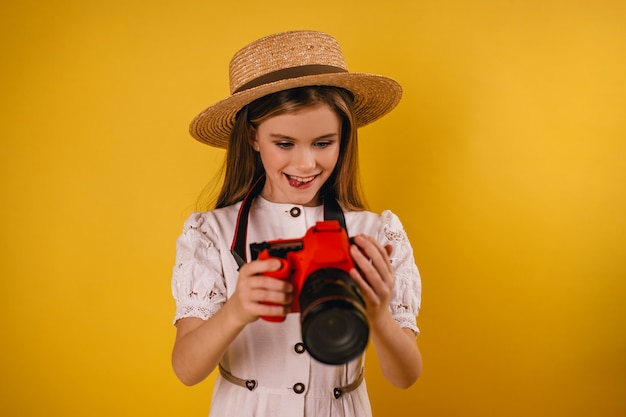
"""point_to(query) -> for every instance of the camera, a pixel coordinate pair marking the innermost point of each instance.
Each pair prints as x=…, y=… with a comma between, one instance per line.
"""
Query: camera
x=333, y=319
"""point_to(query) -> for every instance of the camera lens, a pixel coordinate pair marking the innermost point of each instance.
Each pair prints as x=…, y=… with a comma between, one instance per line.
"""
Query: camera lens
x=334, y=324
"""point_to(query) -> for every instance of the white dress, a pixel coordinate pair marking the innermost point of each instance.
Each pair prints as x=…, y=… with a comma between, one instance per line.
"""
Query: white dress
x=205, y=276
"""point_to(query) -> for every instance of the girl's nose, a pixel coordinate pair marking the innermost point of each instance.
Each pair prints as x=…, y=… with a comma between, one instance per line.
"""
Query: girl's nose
x=304, y=160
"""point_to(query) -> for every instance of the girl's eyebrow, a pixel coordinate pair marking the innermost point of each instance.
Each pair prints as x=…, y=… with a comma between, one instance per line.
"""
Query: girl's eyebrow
x=287, y=137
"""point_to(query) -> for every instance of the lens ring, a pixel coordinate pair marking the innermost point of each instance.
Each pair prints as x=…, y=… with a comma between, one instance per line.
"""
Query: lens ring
x=335, y=333
x=334, y=323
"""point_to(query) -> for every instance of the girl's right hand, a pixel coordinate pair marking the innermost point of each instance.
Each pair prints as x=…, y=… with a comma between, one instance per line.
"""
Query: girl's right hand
x=200, y=344
x=254, y=290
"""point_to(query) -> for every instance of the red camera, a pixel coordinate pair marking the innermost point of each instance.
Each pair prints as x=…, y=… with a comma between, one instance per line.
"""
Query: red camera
x=333, y=319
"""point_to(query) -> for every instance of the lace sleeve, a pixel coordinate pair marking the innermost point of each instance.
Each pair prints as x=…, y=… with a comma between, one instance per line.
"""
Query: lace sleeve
x=407, y=292
x=197, y=281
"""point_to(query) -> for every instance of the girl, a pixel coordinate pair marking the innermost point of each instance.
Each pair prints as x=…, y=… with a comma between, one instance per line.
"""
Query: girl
x=290, y=130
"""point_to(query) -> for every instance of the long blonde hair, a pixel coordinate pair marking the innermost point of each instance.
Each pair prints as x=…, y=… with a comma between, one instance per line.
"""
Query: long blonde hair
x=243, y=165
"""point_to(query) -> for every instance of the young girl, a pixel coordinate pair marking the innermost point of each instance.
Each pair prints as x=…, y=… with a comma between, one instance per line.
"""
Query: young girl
x=290, y=130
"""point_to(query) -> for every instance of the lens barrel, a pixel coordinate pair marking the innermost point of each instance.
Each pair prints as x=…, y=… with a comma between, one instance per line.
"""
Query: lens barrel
x=334, y=323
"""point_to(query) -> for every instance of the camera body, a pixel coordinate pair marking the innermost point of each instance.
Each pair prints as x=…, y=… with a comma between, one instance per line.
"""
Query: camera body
x=324, y=246
x=333, y=319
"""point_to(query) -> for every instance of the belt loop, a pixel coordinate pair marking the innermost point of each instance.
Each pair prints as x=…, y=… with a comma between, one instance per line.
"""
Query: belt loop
x=339, y=391
x=250, y=384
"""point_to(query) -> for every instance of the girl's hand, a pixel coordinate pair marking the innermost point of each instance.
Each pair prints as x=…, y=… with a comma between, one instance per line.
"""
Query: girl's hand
x=398, y=355
x=254, y=290
x=374, y=275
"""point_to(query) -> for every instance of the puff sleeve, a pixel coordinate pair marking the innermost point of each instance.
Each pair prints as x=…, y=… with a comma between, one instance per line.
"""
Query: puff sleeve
x=407, y=291
x=198, y=284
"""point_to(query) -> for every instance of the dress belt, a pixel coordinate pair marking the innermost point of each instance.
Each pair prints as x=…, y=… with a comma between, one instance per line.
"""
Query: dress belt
x=251, y=384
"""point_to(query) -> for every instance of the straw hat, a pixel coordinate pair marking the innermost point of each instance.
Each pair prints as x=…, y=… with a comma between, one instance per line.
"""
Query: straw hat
x=289, y=60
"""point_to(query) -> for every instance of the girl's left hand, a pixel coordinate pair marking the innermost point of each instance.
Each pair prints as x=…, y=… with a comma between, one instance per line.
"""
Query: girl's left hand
x=374, y=275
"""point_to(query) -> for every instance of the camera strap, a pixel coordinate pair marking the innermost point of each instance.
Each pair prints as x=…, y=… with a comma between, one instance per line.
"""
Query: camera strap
x=332, y=211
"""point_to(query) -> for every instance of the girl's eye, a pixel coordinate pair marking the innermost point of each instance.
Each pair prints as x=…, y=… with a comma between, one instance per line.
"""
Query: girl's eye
x=324, y=144
x=284, y=145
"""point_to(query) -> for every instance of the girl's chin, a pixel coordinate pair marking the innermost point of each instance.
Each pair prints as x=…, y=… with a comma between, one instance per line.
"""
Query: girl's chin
x=309, y=200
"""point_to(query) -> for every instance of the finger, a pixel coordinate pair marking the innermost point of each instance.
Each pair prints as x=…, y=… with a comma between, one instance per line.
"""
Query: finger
x=267, y=295
x=371, y=247
x=376, y=295
x=272, y=310
x=259, y=267
x=367, y=270
x=367, y=291
x=273, y=284
x=378, y=254
x=253, y=274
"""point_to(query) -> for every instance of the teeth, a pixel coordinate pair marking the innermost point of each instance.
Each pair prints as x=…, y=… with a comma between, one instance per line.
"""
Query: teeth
x=302, y=179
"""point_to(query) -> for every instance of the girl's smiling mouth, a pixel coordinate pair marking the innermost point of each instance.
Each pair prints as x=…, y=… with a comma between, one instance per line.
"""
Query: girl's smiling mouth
x=299, y=182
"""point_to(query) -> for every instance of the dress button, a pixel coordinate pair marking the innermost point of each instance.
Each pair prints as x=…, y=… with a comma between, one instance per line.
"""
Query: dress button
x=295, y=212
x=298, y=388
x=299, y=348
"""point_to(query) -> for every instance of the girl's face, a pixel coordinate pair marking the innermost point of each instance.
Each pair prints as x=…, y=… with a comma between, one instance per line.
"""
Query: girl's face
x=299, y=152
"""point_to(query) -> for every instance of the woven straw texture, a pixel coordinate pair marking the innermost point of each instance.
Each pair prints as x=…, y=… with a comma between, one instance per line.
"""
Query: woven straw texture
x=274, y=63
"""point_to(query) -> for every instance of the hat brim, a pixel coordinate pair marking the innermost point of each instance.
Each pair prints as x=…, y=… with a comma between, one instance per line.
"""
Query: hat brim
x=374, y=96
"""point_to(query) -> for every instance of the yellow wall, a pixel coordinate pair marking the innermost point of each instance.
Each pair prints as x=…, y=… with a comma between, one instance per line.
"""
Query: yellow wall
x=505, y=161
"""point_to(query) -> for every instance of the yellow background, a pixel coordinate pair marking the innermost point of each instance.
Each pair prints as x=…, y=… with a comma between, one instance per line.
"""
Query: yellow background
x=505, y=161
